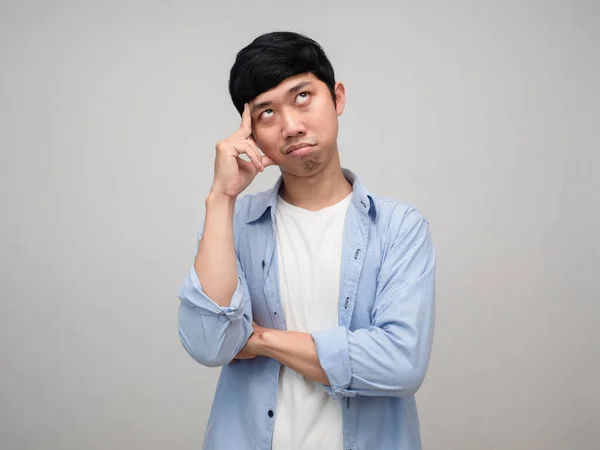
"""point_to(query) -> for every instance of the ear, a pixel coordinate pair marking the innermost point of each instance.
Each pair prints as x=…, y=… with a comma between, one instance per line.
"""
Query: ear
x=340, y=97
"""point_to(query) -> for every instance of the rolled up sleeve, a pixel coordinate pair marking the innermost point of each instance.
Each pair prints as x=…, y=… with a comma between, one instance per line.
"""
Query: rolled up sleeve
x=210, y=333
x=192, y=292
x=332, y=350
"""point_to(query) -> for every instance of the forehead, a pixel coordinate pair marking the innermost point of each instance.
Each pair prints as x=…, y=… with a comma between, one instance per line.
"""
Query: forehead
x=282, y=89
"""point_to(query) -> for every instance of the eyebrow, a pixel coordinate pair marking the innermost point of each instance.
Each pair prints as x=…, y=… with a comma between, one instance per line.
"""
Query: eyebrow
x=291, y=90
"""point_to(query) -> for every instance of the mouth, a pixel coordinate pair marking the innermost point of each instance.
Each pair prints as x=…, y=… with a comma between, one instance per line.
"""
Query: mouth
x=299, y=149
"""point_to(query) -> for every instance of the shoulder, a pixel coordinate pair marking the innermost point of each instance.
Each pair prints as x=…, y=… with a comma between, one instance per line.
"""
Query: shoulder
x=395, y=215
x=402, y=228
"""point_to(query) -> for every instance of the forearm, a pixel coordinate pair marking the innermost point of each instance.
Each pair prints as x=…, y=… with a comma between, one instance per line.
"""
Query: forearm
x=215, y=262
x=293, y=349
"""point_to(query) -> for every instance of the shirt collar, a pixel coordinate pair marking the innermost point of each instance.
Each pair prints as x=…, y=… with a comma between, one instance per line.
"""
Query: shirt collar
x=268, y=199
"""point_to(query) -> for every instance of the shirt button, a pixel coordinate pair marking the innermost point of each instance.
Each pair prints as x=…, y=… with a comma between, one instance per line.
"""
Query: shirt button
x=270, y=413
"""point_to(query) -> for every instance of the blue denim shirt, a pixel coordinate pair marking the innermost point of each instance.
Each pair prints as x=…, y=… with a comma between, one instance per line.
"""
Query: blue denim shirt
x=375, y=359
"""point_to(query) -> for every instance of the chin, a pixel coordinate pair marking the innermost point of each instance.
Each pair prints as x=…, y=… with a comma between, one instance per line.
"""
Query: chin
x=305, y=168
x=302, y=168
x=312, y=166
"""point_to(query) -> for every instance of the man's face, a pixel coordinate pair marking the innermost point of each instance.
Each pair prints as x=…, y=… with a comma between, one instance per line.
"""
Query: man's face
x=296, y=123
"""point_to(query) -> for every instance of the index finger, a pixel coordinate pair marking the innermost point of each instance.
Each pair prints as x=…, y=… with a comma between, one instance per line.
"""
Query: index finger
x=246, y=127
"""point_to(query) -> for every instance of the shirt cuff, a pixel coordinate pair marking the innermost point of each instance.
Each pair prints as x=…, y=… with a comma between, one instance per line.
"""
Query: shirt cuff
x=332, y=351
x=192, y=292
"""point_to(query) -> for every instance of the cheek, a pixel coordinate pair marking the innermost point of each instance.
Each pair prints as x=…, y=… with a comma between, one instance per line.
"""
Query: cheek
x=327, y=124
x=267, y=141
x=326, y=116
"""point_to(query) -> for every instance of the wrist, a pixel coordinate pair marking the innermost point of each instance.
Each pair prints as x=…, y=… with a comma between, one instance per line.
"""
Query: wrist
x=216, y=199
x=265, y=342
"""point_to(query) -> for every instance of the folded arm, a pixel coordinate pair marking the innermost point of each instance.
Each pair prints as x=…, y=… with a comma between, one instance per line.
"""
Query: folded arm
x=390, y=357
x=293, y=349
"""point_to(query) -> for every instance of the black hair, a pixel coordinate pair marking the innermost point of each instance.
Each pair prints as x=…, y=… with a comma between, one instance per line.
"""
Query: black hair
x=273, y=57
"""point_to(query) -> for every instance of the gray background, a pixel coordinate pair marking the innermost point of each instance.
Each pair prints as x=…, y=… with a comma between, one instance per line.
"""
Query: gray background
x=484, y=115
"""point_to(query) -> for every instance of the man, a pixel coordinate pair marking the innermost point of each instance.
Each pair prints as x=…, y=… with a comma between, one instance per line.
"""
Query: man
x=315, y=297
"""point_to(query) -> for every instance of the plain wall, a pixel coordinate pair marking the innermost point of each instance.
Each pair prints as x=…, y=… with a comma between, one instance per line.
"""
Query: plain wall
x=485, y=115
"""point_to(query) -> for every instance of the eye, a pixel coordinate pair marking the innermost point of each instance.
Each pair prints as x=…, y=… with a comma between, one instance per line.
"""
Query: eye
x=266, y=114
x=302, y=98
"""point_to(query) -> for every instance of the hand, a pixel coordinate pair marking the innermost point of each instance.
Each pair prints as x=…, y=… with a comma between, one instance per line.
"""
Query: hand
x=232, y=173
x=250, y=350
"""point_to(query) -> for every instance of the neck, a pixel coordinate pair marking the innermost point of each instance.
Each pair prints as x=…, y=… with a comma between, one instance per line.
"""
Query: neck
x=325, y=188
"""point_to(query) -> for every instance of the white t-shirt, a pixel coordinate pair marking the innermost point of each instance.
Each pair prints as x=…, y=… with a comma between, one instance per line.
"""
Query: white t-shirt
x=309, y=245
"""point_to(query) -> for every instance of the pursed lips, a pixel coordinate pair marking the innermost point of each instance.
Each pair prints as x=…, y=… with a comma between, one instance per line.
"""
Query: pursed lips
x=291, y=148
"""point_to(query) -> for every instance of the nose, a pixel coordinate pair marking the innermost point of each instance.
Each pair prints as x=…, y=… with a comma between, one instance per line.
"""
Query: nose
x=292, y=125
